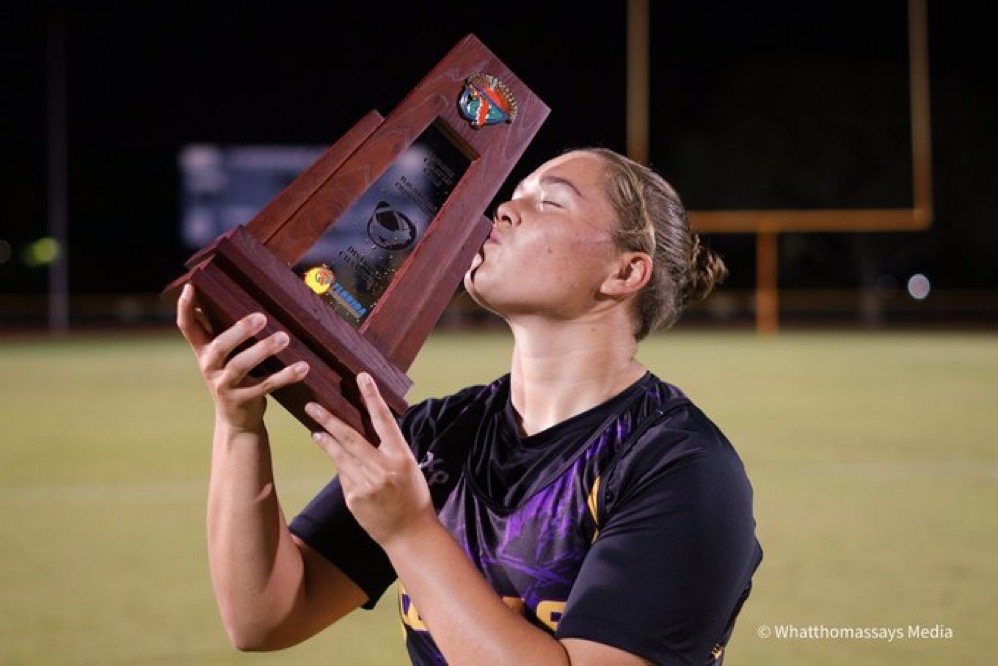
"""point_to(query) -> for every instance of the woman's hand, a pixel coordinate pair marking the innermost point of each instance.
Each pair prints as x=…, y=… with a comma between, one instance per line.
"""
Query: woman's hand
x=240, y=400
x=383, y=486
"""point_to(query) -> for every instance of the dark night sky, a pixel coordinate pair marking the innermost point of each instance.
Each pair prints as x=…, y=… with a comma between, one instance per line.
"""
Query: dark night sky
x=771, y=104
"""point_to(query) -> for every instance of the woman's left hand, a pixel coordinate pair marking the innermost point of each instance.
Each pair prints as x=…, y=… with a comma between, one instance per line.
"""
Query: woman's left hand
x=383, y=486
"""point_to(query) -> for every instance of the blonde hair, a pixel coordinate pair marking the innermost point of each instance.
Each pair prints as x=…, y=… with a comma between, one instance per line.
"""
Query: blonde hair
x=652, y=219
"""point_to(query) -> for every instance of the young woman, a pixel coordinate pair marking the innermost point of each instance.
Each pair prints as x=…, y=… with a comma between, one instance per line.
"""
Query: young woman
x=578, y=510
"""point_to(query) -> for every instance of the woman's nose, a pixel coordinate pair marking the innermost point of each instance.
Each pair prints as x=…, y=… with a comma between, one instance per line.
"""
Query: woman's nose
x=506, y=213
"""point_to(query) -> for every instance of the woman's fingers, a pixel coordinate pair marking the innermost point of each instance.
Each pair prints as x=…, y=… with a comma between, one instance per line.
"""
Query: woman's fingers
x=241, y=363
x=283, y=377
x=218, y=357
x=187, y=322
x=227, y=359
x=337, y=430
x=385, y=491
x=215, y=355
x=352, y=454
x=382, y=418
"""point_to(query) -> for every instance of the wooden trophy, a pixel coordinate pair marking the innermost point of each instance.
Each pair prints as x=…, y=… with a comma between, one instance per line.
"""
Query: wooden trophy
x=398, y=204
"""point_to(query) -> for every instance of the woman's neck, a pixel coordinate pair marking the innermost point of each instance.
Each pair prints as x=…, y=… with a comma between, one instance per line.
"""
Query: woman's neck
x=564, y=368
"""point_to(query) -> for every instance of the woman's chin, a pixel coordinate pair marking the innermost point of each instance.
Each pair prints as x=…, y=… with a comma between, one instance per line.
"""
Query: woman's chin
x=472, y=286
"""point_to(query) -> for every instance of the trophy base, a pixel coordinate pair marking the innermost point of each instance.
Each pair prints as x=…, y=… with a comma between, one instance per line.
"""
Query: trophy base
x=237, y=275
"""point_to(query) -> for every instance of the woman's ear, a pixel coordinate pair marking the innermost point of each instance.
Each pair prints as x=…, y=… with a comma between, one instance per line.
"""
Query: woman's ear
x=632, y=274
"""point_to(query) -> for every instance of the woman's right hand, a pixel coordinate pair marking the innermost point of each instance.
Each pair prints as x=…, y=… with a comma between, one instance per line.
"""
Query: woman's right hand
x=240, y=399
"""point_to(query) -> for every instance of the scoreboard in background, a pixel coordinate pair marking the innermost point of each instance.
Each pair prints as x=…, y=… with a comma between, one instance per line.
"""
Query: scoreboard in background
x=225, y=186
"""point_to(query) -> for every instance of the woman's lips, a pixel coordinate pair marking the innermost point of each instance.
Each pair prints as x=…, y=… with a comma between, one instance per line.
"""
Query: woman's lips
x=479, y=257
x=477, y=260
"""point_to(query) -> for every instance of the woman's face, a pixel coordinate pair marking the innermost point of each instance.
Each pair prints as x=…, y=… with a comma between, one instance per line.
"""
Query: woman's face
x=551, y=246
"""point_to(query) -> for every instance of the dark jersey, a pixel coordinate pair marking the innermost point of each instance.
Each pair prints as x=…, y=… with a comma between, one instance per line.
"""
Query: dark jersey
x=629, y=524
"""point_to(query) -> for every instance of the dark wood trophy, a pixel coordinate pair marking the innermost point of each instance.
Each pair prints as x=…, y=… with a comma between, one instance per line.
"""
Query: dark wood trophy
x=357, y=258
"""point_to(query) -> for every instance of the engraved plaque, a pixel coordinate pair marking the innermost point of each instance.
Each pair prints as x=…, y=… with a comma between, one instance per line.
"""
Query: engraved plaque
x=372, y=239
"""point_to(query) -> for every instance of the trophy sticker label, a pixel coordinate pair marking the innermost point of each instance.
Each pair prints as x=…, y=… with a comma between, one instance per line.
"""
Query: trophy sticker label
x=320, y=278
x=348, y=301
x=485, y=100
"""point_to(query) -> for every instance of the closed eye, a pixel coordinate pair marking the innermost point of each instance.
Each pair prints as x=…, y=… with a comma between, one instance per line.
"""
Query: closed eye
x=548, y=202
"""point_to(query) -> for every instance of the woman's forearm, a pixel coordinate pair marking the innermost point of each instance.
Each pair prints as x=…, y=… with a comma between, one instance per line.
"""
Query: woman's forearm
x=470, y=623
x=256, y=569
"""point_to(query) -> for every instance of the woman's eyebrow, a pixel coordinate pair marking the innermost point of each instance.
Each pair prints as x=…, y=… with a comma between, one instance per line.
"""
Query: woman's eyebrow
x=558, y=180
x=550, y=180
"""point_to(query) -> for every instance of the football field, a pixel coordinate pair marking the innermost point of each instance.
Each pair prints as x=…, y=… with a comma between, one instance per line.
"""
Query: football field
x=874, y=458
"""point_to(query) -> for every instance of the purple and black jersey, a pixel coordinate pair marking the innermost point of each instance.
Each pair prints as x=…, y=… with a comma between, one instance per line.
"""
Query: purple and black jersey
x=629, y=524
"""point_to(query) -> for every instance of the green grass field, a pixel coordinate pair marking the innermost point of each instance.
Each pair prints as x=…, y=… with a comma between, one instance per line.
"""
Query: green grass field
x=873, y=457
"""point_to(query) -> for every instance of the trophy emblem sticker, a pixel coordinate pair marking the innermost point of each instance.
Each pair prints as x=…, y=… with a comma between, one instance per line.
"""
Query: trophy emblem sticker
x=320, y=279
x=485, y=100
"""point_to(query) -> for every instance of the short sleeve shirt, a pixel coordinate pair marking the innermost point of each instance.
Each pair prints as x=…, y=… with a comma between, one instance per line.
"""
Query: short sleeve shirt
x=630, y=524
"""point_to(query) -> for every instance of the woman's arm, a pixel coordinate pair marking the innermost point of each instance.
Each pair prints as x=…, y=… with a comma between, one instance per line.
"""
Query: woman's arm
x=272, y=590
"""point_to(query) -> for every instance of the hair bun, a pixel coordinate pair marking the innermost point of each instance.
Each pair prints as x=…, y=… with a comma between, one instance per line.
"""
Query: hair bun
x=707, y=270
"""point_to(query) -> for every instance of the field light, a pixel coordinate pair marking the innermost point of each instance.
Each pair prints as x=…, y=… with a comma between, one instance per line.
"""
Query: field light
x=919, y=287
x=42, y=252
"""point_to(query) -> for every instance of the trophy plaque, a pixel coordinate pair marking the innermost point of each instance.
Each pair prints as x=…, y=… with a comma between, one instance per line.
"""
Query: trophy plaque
x=394, y=212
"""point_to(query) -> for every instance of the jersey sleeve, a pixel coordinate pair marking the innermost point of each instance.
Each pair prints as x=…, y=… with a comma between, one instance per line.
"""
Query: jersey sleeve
x=673, y=559
x=327, y=525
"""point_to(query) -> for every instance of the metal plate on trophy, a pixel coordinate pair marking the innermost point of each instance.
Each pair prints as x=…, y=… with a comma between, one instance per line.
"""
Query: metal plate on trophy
x=371, y=240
